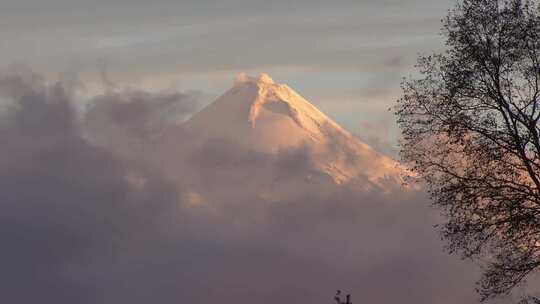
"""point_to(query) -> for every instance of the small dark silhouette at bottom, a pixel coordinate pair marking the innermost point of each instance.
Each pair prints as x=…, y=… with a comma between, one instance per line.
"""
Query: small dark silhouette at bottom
x=339, y=300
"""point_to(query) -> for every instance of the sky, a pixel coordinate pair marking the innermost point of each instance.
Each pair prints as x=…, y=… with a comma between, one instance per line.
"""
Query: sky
x=98, y=206
x=347, y=57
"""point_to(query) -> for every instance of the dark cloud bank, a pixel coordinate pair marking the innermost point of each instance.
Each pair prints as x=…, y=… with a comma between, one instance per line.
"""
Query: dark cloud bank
x=88, y=215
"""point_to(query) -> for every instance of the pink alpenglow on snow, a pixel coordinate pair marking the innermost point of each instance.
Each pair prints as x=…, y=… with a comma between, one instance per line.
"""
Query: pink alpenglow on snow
x=259, y=115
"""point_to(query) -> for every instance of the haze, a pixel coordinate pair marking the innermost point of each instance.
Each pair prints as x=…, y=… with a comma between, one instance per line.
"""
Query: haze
x=146, y=159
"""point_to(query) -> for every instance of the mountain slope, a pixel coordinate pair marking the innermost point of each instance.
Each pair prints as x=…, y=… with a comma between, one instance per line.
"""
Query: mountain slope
x=262, y=116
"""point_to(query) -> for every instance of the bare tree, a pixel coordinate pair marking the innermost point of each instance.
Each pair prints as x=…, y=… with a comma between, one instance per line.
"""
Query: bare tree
x=470, y=125
x=530, y=300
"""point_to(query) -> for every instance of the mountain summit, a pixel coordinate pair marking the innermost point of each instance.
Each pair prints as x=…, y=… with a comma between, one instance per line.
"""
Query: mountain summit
x=259, y=115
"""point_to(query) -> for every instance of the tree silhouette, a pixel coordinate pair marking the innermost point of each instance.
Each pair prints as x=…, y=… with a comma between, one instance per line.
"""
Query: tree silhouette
x=530, y=300
x=470, y=127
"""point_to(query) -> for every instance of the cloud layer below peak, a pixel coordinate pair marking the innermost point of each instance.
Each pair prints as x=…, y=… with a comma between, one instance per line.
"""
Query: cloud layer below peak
x=89, y=214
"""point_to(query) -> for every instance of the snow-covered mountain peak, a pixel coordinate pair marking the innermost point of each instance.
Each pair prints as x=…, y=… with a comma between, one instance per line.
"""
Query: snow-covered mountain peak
x=281, y=99
x=260, y=115
x=262, y=95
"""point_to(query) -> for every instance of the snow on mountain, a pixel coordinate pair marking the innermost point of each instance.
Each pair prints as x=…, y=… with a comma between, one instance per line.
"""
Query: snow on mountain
x=262, y=116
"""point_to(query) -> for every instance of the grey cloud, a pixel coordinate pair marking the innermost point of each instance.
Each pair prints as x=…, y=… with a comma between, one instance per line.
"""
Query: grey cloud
x=64, y=203
x=127, y=120
x=82, y=223
x=382, y=247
